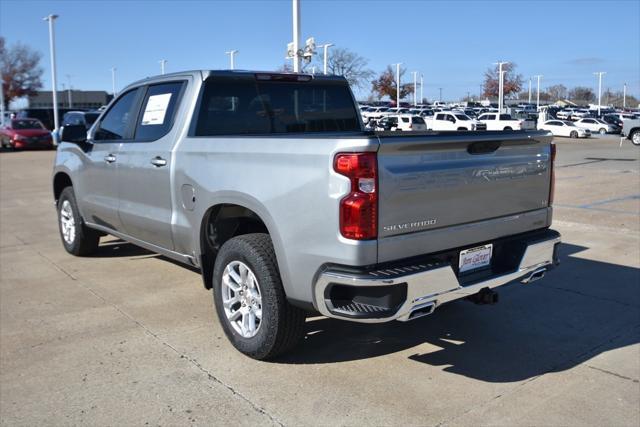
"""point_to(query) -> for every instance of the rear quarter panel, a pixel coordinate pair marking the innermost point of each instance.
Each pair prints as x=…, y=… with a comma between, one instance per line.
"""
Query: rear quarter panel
x=289, y=182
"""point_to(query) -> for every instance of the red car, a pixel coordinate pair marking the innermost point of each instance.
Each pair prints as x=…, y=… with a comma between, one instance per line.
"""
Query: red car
x=25, y=133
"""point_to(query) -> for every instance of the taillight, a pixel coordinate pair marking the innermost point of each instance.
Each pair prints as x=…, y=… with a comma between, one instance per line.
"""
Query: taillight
x=359, y=208
x=552, y=161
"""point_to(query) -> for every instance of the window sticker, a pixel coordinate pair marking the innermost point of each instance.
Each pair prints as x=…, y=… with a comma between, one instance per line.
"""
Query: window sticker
x=156, y=109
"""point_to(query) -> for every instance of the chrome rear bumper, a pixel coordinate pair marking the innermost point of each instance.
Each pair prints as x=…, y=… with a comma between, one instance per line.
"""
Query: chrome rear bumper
x=430, y=286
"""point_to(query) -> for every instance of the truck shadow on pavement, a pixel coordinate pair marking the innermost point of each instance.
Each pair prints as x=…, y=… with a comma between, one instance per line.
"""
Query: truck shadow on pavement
x=581, y=309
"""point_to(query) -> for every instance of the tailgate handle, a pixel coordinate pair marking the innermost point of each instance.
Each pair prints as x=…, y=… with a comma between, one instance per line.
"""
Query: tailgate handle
x=483, y=147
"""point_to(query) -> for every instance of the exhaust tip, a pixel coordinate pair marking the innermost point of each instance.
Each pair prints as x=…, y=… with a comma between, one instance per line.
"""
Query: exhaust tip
x=422, y=310
x=536, y=275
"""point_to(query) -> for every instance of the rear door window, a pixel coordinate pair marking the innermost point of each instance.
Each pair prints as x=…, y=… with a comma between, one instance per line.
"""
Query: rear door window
x=158, y=110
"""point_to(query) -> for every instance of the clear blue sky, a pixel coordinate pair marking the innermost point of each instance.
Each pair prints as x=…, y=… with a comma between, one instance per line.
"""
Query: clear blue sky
x=452, y=43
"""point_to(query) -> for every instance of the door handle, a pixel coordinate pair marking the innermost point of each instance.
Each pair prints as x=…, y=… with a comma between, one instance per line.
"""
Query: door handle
x=109, y=158
x=158, y=162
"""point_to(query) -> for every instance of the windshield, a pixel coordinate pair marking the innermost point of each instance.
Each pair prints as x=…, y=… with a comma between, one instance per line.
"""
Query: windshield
x=569, y=124
x=26, y=124
x=462, y=117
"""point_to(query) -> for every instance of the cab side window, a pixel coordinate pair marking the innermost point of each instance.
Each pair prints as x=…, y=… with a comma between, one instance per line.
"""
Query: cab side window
x=158, y=110
x=116, y=122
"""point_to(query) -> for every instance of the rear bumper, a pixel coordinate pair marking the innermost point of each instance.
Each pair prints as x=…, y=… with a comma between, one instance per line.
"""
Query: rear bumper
x=407, y=290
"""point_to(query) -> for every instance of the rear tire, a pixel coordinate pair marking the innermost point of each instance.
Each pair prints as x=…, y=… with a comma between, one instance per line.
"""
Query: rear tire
x=574, y=134
x=77, y=238
x=602, y=131
x=635, y=138
x=508, y=128
x=250, y=300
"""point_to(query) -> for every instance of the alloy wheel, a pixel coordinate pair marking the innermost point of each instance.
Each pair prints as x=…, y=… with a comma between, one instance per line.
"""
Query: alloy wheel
x=241, y=299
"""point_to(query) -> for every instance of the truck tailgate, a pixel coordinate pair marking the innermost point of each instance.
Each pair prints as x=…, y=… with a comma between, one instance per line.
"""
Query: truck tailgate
x=462, y=187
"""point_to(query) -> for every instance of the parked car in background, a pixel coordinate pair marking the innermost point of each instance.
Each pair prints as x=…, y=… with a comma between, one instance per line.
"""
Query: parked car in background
x=596, y=126
x=631, y=131
x=401, y=122
x=85, y=118
x=25, y=133
x=564, y=114
x=496, y=121
x=565, y=128
x=626, y=116
x=374, y=114
x=613, y=119
x=453, y=121
x=580, y=114
x=45, y=115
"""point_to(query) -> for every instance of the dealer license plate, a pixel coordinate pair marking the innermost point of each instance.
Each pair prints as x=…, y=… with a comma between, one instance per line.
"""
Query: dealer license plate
x=474, y=258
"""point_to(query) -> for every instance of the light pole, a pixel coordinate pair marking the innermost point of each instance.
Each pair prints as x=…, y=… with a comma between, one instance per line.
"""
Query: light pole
x=500, y=85
x=398, y=84
x=113, y=81
x=599, y=74
x=440, y=89
x=624, y=96
x=162, y=64
x=415, y=88
x=296, y=36
x=231, y=54
x=529, y=90
x=68, y=76
x=538, y=92
x=52, y=50
x=421, y=88
x=326, y=47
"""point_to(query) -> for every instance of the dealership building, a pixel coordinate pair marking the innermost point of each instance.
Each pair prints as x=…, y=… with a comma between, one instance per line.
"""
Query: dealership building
x=71, y=99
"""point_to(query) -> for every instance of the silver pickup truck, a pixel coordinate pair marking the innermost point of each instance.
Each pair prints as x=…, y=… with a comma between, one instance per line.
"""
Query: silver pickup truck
x=268, y=184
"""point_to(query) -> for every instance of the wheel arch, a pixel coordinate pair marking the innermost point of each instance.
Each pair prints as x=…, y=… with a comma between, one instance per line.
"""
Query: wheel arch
x=61, y=180
x=227, y=219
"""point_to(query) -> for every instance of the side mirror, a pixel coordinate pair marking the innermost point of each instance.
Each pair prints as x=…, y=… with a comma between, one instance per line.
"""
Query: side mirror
x=76, y=134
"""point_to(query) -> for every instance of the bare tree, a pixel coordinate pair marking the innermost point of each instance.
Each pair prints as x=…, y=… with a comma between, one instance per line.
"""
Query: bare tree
x=581, y=93
x=557, y=92
x=512, y=81
x=385, y=84
x=343, y=62
x=20, y=71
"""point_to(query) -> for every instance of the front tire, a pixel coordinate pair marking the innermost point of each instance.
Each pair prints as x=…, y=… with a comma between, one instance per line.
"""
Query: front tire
x=77, y=238
x=574, y=134
x=250, y=300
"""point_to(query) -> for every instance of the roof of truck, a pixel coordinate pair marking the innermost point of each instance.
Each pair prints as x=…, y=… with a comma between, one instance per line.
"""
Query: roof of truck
x=203, y=74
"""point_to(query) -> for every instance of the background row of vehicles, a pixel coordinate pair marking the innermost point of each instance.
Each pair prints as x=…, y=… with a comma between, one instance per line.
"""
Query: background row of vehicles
x=21, y=130
x=581, y=122
x=439, y=118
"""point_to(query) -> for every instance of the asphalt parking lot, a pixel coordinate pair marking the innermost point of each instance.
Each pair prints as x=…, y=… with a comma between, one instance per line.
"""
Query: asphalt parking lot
x=127, y=337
